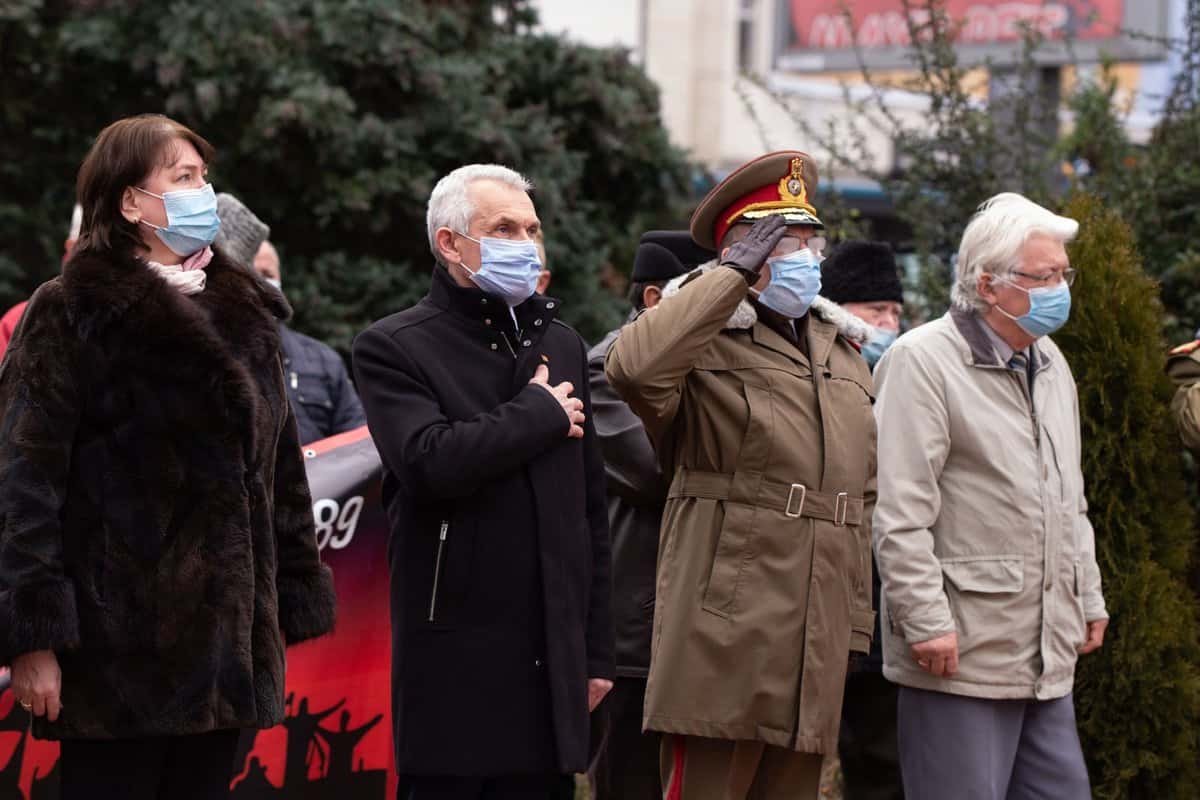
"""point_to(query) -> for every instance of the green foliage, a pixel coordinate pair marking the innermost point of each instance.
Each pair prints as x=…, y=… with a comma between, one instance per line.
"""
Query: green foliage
x=1138, y=698
x=332, y=121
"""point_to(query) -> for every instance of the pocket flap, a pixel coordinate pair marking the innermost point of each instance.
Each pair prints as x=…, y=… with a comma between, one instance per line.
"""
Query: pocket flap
x=862, y=620
x=993, y=574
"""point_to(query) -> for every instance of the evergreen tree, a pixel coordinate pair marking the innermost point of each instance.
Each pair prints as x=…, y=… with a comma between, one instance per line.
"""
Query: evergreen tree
x=332, y=120
x=1138, y=697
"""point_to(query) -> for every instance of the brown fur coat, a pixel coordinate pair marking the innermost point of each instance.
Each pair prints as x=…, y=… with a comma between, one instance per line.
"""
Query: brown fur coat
x=157, y=525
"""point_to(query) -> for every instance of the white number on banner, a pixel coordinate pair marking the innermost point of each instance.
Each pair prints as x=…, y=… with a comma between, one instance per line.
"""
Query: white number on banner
x=336, y=523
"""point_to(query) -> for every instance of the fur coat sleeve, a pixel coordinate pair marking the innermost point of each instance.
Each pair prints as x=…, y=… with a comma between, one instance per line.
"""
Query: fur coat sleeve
x=40, y=413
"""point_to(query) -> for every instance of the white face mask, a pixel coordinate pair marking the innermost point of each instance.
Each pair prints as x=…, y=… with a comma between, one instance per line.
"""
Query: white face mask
x=278, y=284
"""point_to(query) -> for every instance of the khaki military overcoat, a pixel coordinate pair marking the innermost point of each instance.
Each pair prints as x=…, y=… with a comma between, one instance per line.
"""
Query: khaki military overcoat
x=764, y=570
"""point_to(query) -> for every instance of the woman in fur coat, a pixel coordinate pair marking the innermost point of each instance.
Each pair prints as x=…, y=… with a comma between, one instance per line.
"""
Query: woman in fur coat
x=157, y=547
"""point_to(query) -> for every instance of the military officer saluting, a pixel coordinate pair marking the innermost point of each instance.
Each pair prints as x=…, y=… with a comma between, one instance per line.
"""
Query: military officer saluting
x=1183, y=366
x=756, y=399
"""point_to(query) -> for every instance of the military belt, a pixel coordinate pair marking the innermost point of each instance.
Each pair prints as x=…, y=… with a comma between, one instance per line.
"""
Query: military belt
x=795, y=500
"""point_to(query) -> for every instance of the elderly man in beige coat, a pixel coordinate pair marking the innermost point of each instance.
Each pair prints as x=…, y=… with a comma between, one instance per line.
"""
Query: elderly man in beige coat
x=990, y=584
x=759, y=406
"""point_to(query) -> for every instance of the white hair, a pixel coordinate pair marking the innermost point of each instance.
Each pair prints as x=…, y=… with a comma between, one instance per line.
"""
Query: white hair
x=993, y=241
x=450, y=201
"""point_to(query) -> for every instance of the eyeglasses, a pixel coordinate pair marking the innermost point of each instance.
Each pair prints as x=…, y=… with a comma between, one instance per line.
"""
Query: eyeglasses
x=1067, y=276
x=790, y=244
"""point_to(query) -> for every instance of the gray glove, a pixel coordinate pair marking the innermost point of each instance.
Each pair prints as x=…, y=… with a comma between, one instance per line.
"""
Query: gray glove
x=749, y=254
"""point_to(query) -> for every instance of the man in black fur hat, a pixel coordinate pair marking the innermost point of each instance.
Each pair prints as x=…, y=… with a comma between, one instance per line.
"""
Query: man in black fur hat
x=862, y=278
x=624, y=764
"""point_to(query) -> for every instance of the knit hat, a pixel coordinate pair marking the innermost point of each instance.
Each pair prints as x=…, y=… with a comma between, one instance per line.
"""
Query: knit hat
x=662, y=255
x=861, y=272
x=241, y=232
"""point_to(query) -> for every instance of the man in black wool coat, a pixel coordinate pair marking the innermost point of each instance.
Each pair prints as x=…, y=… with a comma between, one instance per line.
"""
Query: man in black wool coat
x=477, y=398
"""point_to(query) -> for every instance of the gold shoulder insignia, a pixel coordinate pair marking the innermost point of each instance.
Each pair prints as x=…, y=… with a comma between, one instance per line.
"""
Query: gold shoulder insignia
x=1186, y=348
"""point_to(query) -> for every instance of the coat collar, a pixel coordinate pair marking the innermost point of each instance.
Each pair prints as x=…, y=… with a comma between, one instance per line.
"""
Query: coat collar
x=841, y=322
x=223, y=341
x=102, y=288
x=980, y=352
x=535, y=314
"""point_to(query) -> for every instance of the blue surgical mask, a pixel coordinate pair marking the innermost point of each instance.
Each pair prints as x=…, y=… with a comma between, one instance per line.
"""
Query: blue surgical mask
x=1049, y=308
x=795, y=282
x=508, y=268
x=192, y=221
x=877, y=345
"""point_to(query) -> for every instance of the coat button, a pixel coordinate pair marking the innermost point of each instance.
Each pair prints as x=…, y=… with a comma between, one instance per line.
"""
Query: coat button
x=537, y=323
x=526, y=343
x=483, y=302
x=487, y=321
x=495, y=346
x=549, y=305
x=537, y=662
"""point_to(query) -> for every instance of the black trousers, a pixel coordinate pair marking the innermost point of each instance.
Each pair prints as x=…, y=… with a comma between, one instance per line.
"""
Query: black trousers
x=513, y=787
x=197, y=767
x=624, y=763
x=867, y=744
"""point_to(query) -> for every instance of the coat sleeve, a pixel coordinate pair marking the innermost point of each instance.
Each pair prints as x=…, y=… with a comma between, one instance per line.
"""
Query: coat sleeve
x=630, y=465
x=914, y=441
x=862, y=622
x=40, y=400
x=654, y=354
x=438, y=458
x=1093, y=597
x=348, y=411
x=601, y=658
x=307, y=603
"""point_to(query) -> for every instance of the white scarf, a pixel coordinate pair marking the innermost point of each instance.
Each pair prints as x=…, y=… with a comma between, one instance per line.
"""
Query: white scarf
x=188, y=277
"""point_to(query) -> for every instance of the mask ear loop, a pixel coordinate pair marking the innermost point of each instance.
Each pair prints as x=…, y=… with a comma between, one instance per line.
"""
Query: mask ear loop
x=160, y=197
x=463, y=264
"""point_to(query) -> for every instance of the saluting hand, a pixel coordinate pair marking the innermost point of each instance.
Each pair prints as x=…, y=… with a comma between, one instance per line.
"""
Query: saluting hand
x=749, y=254
x=572, y=406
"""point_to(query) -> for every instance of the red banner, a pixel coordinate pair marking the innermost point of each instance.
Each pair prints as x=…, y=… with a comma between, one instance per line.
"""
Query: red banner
x=336, y=741
x=822, y=25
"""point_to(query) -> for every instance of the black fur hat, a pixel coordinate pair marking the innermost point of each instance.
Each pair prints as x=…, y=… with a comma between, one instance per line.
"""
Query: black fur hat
x=861, y=272
x=663, y=255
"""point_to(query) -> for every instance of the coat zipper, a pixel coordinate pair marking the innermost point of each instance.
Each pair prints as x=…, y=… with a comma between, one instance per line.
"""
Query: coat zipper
x=504, y=336
x=437, y=569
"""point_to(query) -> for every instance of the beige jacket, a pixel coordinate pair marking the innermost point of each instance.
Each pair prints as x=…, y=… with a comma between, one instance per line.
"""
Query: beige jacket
x=764, y=570
x=981, y=525
x=1183, y=366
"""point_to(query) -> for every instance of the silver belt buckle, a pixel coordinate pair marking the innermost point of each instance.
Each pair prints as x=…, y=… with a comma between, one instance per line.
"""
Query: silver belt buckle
x=841, y=507
x=787, y=508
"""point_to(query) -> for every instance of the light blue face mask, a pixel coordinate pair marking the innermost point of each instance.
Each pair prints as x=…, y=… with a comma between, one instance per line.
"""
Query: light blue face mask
x=1049, y=308
x=192, y=221
x=795, y=283
x=877, y=345
x=508, y=268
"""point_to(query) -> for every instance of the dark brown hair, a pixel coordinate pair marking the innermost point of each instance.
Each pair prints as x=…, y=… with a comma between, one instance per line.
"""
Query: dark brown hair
x=123, y=155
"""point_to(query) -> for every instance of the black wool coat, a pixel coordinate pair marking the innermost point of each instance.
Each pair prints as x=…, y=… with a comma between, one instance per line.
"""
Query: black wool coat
x=494, y=640
x=157, y=526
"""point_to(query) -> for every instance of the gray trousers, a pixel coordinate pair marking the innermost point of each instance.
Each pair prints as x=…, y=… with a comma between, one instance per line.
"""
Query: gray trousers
x=966, y=748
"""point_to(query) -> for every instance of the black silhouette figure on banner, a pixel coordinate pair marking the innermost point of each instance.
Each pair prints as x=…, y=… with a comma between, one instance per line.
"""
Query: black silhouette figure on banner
x=302, y=743
x=341, y=745
x=306, y=739
x=255, y=783
x=46, y=787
